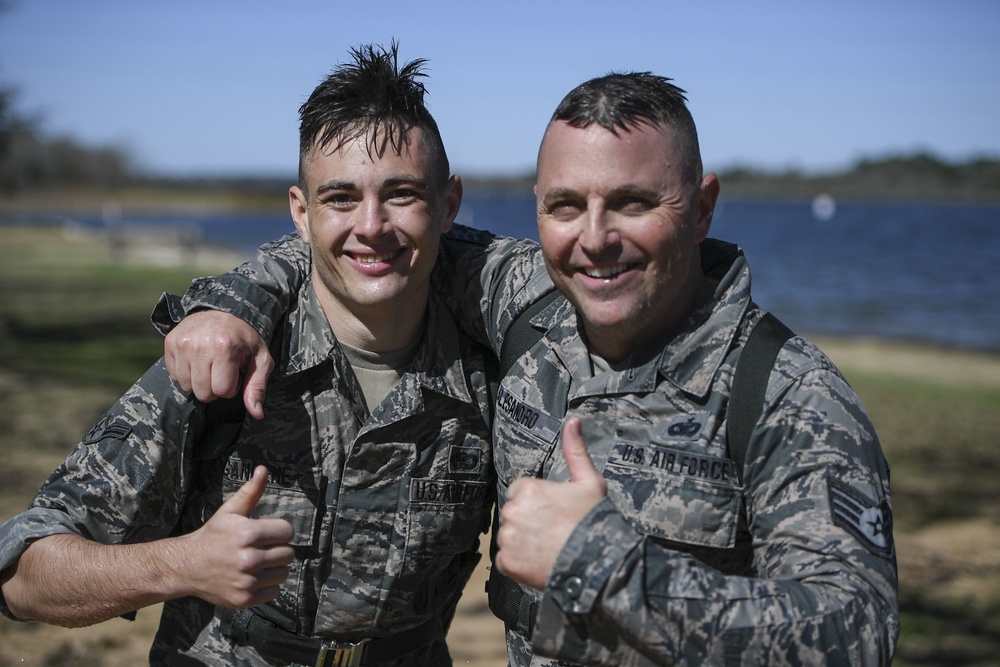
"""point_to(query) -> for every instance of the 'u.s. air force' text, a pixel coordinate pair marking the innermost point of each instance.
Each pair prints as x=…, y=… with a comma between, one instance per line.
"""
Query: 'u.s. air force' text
x=677, y=462
x=447, y=491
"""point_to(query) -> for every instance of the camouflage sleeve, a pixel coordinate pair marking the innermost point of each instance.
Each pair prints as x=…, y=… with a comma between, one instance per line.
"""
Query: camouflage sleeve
x=259, y=292
x=126, y=482
x=824, y=588
x=487, y=281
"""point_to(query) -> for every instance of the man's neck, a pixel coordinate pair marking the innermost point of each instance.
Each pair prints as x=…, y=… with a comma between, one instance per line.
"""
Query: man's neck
x=618, y=344
x=375, y=328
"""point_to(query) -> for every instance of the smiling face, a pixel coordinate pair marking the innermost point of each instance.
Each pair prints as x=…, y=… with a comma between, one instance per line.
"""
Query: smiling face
x=620, y=230
x=374, y=225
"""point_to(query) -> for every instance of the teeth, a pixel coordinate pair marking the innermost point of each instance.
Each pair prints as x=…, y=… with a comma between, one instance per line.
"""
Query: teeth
x=372, y=259
x=606, y=271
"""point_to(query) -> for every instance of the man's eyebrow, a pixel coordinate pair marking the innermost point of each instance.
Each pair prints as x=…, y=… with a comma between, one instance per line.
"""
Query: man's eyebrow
x=405, y=179
x=626, y=190
x=560, y=193
x=633, y=191
x=334, y=185
x=391, y=181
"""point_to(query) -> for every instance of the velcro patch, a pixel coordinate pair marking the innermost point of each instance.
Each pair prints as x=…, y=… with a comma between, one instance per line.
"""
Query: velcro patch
x=527, y=417
x=465, y=460
x=448, y=491
x=676, y=462
x=105, y=428
x=870, y=522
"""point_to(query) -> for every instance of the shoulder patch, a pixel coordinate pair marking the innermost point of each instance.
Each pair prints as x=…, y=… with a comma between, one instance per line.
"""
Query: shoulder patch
x=870, y=522
x=105, y=428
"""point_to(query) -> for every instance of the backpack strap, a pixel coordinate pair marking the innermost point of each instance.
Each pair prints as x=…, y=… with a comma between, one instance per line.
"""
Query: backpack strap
x=505, y=598
x=746, y=401
x=521, y=336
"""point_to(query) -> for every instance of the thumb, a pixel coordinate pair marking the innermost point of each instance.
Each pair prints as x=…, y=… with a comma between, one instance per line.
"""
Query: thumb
x=581, y=467
x=248, y=495
x=259, y=369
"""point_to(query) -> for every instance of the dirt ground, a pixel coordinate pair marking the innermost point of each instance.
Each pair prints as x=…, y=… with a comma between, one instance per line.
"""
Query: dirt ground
x=475, y=639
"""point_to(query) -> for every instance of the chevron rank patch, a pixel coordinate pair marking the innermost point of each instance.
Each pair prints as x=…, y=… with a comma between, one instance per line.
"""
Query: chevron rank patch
x=870, y=522
x=105, y=428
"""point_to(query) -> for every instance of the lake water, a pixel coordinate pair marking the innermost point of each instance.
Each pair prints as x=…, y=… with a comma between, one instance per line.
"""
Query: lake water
x=918, y=272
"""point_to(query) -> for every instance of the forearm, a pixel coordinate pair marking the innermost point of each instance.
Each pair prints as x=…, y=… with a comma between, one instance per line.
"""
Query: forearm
x=70, y=581
x=259, y=292
x=818, y=588
x=675, y=610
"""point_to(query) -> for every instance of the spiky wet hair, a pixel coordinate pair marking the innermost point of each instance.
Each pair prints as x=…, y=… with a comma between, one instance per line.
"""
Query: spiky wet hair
x=371, y=94
x=621, y=100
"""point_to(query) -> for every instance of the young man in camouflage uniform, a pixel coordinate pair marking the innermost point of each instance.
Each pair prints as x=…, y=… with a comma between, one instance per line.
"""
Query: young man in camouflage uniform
x=645, y=545
x=349, y=515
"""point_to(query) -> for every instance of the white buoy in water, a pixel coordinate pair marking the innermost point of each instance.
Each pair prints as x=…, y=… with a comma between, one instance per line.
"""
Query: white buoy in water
x=824, y=207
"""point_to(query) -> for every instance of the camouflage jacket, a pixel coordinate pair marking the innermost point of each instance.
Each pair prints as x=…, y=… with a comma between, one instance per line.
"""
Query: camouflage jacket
x=682, y=564
x=387, y=506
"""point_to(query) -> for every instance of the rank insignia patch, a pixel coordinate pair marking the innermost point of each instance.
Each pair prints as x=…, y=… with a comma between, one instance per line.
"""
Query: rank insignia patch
x=107, y=429
x=867, y=520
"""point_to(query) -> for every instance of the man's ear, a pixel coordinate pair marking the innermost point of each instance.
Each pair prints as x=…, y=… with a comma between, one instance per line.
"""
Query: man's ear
x=452, y=202
x=708, y=196
x=299, y=209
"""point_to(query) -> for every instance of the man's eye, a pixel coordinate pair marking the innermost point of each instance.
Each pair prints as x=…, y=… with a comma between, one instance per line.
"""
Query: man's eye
x=563, y=209
x=633, y=205
x=403, y=194
x=339, y=200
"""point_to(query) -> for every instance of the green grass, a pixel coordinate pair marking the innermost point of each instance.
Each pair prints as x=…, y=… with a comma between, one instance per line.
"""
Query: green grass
x=942, y=445
x=68, y=312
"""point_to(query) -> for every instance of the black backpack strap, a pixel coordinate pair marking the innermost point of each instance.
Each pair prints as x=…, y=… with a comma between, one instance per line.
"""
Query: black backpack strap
x=522, y=336
x=506, y=600
x=746, y=402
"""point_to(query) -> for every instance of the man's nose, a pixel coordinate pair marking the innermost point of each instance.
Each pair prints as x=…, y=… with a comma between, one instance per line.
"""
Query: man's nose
x=598, y=231
x=374, y=220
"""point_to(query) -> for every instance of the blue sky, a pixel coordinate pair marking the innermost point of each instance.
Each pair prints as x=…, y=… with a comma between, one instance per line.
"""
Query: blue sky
x=212, y=87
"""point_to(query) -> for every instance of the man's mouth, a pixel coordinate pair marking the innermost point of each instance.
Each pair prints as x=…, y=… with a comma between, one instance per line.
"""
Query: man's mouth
x=375, y=259
x=606, y=271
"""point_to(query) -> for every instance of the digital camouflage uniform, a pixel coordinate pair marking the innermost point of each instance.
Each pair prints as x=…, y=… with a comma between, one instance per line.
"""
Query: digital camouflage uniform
x=387, y=507
x=681, y=564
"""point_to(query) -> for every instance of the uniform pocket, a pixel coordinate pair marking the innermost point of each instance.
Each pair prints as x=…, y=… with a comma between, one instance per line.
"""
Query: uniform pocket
x=674, y=494
x=298, y=505
x=445, y=516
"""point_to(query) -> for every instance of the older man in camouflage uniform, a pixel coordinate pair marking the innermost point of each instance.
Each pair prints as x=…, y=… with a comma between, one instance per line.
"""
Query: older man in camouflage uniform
x=645, y=545
x=353, y=546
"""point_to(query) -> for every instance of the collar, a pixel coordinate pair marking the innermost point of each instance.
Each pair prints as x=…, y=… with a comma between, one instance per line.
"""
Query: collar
x=306, y=341
x=689, y=360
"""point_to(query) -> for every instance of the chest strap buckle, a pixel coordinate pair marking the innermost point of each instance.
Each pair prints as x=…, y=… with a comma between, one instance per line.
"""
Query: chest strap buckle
x=342, y=654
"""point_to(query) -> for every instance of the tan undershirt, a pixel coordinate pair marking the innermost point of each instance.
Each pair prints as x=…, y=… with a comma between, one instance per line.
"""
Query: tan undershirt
x=378, y=372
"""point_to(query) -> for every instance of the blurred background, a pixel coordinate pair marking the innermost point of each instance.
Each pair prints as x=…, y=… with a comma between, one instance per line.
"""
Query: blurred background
x=858, y=146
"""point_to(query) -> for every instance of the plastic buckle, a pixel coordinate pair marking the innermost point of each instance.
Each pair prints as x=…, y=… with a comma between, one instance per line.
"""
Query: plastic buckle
x=342, y=654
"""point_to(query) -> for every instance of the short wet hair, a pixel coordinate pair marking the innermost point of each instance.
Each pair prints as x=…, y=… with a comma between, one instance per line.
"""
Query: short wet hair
x=620, y=101
x=371, y=94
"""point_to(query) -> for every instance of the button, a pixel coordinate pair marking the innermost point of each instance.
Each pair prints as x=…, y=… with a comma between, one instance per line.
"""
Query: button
x=573, y=587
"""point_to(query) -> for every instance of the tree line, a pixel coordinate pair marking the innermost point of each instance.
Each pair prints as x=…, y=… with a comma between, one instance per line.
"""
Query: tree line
x=917, y=176
x=31, y=161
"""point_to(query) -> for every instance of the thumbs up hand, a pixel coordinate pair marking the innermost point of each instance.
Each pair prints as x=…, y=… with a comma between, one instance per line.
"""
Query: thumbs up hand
x=236, y=561
x=539, y=514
